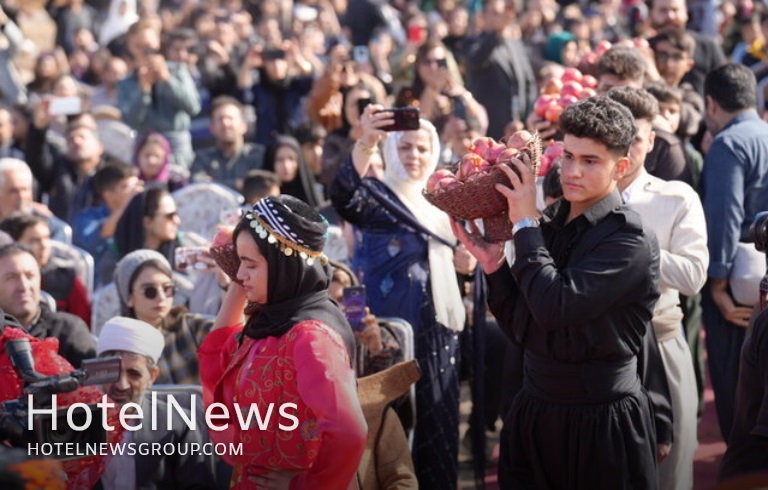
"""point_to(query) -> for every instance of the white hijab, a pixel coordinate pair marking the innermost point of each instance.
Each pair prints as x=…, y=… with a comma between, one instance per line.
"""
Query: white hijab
x=449, y=307
x=116, y=23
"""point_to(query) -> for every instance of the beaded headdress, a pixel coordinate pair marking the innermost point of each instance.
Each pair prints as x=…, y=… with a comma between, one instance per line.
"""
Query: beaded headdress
x=282, y=227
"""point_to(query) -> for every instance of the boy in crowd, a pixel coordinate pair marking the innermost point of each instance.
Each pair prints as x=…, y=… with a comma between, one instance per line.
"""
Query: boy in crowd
x=114, y=184
x=579, y=299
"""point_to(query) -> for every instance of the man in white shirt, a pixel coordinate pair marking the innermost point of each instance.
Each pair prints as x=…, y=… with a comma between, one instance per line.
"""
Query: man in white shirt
x=673, y=211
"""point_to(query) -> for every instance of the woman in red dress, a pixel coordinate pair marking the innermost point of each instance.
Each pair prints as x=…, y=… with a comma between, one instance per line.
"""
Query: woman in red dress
x=293, y=350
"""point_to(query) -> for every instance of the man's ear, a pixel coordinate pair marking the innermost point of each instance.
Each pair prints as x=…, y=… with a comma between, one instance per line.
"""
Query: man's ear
x=710, y=105
x=153, y=374
x=651, y=140
x=689, y=64
x=620, y=170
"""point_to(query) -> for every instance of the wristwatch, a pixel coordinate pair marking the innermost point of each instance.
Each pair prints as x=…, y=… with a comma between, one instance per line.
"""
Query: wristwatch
x=525, y=223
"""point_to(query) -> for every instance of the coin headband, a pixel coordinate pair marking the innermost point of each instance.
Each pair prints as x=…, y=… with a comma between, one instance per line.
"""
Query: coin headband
x=284, y=244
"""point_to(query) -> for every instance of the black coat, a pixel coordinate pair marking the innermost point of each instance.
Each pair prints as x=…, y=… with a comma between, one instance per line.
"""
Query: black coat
x=501, y=79
x=75, y=340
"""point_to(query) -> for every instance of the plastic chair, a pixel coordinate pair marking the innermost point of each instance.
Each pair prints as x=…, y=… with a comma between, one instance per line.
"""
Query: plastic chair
x=404, y=332
x=79, y=259
x=201, y=204
x=48, y=299
x=106, y=304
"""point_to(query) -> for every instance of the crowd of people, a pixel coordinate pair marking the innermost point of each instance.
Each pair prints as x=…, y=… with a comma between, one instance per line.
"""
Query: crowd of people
x=194, y=186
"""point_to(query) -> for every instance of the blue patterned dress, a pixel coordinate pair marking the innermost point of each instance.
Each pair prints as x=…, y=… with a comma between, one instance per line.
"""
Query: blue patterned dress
x=392, y=262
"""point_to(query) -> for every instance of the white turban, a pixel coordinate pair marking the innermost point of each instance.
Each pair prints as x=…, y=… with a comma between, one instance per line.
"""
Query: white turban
x=131, y=335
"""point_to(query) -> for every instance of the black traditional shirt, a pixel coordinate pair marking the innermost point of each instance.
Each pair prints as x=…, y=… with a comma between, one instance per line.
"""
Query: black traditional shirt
x=582, y=290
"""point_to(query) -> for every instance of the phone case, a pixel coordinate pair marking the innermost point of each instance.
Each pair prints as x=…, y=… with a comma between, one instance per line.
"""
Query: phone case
x=353, y=303
x=406, y=119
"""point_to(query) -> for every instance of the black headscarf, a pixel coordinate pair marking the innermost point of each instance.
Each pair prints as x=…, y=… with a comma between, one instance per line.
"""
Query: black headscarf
x=303, y=185
x=296, y=291
x=129, y=234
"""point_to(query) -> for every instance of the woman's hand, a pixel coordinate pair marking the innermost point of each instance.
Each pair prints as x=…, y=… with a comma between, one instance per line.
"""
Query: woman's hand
x=370, y=336
x=371, y=121
x=489, y=255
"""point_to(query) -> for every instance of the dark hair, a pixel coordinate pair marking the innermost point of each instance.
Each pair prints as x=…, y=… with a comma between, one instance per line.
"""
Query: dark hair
x=622, y=62
x=110, y=174
x=421, y=54
x=733, y=86
x=152, y=198
x=677, y=37
x=640, y=103
x=257, y=184
x=551, y=185
x=18, y=222
x=664, y=93
x=180, y=34
x=15, y=248
x=600, y=119
x=222, y=100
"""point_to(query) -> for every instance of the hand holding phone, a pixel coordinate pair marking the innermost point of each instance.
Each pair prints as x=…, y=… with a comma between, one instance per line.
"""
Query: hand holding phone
x=353, y=304
x=191, y=258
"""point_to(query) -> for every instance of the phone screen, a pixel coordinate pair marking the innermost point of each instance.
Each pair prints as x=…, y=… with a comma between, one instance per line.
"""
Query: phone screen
x=360, y=54
x=353, y=303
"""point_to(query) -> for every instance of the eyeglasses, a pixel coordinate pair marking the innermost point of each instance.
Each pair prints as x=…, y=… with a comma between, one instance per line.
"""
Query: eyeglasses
x=664, y=56
x=168, y=216
x=440, y=62
x=151, y=292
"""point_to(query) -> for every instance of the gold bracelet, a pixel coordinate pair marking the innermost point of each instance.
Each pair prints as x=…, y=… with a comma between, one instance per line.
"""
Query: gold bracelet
x=368, y=150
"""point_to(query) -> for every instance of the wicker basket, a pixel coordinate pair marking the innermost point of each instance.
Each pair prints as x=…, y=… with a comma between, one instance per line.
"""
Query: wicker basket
x=479, y=199
x=497, y=228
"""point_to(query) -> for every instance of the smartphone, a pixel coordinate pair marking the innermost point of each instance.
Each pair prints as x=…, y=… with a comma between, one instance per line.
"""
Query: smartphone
x=189, y=258
x=361, y=55
x=274, y=54
x=305, y=13
x=363, y=103
x=416, y=34
x=353, y=304
x=65, y=106
x=459, y=108
x=406, y=119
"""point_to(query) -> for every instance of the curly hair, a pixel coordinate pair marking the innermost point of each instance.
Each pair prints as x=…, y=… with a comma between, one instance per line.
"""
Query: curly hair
x=622, y=62
x=603, y=120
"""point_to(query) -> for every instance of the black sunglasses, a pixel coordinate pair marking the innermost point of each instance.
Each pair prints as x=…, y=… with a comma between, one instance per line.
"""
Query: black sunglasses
x=168, y=216
x=151, y=292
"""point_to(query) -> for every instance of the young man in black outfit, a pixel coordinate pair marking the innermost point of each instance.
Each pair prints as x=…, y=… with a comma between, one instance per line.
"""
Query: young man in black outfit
x=579, y=299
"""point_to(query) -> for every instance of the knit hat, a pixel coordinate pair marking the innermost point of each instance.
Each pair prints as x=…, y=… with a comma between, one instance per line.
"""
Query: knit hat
x=291, y=225
x=131, y=335
x=126, y=268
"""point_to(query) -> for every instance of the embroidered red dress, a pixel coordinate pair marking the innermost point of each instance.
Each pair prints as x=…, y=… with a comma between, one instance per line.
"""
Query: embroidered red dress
x=82, y=473
x=308, y=366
